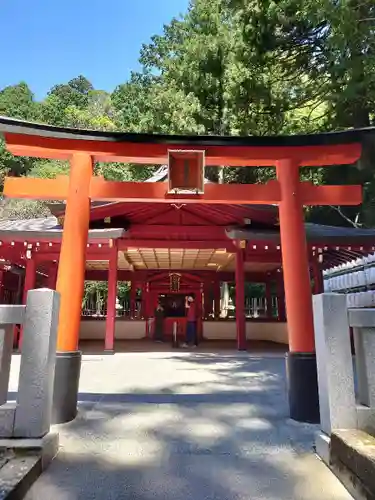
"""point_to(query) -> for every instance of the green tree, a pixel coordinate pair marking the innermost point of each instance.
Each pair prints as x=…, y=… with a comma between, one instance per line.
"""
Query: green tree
x=74, y=93
x=17, y=101
x=52, y=111
x=247, y=67
x=49, y=169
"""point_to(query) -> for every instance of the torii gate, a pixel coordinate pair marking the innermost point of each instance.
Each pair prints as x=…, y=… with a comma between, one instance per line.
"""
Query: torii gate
x=81, y=148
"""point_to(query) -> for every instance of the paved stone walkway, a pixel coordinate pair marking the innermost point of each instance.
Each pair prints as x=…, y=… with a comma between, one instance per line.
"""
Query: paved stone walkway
x=185, y=426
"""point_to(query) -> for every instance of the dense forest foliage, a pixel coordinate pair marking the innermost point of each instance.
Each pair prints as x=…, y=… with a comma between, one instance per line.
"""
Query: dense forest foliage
x=229, y=67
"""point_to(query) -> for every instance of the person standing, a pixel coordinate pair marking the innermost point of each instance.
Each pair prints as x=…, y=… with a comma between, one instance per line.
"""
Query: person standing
x=191, y=323
x=159, y=323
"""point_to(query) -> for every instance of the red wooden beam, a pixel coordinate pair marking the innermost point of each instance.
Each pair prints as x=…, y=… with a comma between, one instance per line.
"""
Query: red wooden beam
x=198, y=274
x=51, y=252
x=265, y=258
x=45, y=243
x=51, y=256
x=156, y=192
x=148, y=192
x=156, y=285
x=9, y=253
x=102, y=275
x=186, y=276
x=148, y=153
x=227, y=244
x=195, y=232
x=160, y=214
x=329, y=195
x=341, y=244
x=43, y=189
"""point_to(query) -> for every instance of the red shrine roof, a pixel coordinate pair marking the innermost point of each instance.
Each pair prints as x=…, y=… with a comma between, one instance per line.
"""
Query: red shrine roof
x=316, y=234
x=48, y=228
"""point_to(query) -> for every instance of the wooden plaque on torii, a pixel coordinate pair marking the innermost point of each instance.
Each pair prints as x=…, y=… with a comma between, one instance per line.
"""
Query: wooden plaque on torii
x=186, y=171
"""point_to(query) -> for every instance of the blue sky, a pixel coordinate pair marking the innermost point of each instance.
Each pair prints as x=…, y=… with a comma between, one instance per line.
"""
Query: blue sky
x=45, y=42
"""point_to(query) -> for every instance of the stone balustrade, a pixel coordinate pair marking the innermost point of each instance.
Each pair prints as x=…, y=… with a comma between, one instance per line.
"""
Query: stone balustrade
x=346, y=395
x=30, y=415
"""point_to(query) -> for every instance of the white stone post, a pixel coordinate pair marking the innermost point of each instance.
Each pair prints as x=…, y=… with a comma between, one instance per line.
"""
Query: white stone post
x=363, y=323
x=6, y=350
x=9, y=315
x=35, y=388
x=334, y=363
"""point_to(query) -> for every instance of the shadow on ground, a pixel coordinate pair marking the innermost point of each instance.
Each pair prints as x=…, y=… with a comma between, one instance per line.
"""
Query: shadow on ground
x=220, y=432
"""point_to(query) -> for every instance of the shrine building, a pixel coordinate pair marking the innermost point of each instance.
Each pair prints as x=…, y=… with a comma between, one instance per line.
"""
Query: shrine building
x=178, y=234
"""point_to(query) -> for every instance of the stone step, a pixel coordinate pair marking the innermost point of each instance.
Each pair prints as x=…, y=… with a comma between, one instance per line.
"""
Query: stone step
x=353, y=461
x=18, y=471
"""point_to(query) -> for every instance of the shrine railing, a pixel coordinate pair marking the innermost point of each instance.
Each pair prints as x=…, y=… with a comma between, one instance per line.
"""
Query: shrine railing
x=9, y=296
x=346, y=389
x=356, y=279
x=98, y=310
x=255, y=309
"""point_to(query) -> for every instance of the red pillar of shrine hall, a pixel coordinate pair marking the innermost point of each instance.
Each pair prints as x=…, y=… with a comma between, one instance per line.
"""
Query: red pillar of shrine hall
x=317, y=277
x=240, y=301
x=217, y=299
x=268, y=299
x=52, y=276
x=29, y=284
x=111, y=301
x=301, y=359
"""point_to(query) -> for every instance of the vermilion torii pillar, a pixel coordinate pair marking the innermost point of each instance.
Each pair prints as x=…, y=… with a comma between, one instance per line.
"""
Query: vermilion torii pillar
x=301, y=362
x=70, y=285
x=288, y=154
